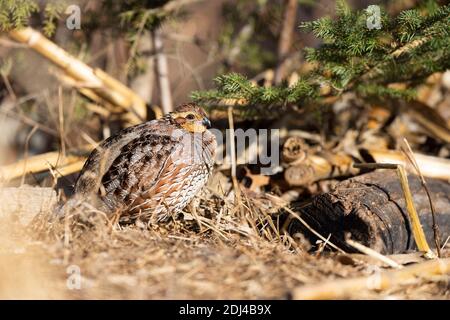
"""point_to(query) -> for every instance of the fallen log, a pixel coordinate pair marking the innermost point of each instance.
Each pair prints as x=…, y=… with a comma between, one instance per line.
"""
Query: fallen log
x=432, y=167
x=371, y=208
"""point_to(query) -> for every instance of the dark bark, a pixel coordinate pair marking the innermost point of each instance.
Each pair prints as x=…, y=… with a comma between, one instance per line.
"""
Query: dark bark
x=371, y=207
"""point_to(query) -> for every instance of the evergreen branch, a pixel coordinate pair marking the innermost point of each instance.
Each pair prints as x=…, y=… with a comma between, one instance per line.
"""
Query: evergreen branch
x=406, y=49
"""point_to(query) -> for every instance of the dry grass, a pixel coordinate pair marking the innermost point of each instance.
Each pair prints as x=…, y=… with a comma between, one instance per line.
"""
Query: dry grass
x=228, y=257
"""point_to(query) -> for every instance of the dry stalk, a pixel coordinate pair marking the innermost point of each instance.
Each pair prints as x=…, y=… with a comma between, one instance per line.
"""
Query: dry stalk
x=339, y=289
x=437, y=238
x=8, y=86
x=66, y=170
x=162, y=72
x=27, y=120
x=96, y=82
x=431, y=167
x=315, y=167
x=295, y=215
x=445, y=243
x=236, y=188
x=372, y=253
x=25, y=157
x=286, y=35
x=417, y=229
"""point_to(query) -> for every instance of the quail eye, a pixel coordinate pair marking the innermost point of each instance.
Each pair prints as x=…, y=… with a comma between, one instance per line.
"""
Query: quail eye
x=190, y=117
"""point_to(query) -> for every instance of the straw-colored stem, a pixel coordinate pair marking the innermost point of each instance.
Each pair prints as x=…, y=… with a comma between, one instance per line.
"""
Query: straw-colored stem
x=416, y=226
x=436, y=232
x=39, y=163
x=372, y=253
x=343, y=288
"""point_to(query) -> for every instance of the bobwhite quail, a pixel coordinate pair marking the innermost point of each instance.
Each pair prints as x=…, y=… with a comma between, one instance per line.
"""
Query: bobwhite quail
x=151, y=170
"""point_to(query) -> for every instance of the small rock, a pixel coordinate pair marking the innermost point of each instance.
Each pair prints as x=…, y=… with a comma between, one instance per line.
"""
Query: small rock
x=25, y=202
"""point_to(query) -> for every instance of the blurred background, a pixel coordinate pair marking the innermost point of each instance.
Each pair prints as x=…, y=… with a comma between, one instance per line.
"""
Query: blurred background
x=162, y=50
x=201, y=39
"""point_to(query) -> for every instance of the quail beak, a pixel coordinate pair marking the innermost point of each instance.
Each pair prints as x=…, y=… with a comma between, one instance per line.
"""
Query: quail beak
x=206, y=122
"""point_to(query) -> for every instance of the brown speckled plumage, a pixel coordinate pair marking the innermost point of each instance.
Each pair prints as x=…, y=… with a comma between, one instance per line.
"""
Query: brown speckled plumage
x=153, y=169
